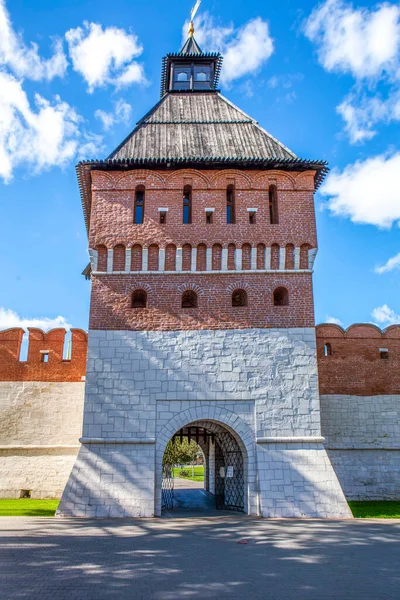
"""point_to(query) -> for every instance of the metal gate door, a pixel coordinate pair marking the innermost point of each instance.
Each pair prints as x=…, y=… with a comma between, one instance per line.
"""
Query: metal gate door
x=167, y=488
x=229, y=473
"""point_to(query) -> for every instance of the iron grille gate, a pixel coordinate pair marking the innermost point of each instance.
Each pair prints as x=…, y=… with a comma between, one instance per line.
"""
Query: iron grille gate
x=167, y=488
x=229, y=473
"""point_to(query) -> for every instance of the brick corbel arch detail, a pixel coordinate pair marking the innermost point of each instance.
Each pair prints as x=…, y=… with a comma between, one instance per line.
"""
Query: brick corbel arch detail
x=138, y=285
x=223, y=417
x=240, y=285
x=191, y=286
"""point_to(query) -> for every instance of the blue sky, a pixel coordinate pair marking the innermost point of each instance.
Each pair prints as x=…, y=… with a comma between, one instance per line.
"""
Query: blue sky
x=76, y=76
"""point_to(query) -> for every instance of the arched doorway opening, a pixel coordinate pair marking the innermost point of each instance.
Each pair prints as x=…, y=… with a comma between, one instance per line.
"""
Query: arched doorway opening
x=224, y=487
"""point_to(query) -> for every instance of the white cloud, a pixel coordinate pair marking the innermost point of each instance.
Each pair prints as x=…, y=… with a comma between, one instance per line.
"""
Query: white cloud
x=105, y=56
x=24, y=60
x=334, y=320
x=367, y=191
x=362, y=113
x=40, y=136
x=384, y=315
x=364, y=42
x=359, y=41
x=246, y=53
x=245, y=49
x=9, y=318
x=122, y=114
x=391, y=265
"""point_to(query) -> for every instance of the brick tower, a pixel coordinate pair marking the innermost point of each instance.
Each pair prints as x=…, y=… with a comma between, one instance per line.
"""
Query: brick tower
x=202, y=241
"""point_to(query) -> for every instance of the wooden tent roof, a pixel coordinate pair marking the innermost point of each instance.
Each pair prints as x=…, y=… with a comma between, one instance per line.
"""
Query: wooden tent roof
x=199, y=126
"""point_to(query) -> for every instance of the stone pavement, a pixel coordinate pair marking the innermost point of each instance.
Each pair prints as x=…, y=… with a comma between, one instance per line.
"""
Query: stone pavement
x=191, y=500
x=170, y=559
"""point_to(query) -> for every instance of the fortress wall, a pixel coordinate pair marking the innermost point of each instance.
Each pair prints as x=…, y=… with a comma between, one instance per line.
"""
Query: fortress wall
x=41, y=409
x=363, y=443
x=45, y=360
x=360, y=408
x=40, y=425
x=356, y=365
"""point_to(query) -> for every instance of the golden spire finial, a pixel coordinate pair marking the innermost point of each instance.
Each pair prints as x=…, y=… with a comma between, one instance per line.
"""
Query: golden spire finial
x=192, y=16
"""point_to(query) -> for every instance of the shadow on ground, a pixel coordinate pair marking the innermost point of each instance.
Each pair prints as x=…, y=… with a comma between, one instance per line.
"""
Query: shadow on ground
x=166, y=559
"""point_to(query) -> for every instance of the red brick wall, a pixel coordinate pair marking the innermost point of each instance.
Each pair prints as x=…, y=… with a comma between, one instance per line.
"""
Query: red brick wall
x=112, y=225
x=113, y=193
x=111, y=302
x=355, y=366
x=56, y=369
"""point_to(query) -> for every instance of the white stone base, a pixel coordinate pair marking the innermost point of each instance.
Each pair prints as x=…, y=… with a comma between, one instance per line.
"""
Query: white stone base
x=142, y=387
x=42, y=471
x=297, y=480
x=111, y=480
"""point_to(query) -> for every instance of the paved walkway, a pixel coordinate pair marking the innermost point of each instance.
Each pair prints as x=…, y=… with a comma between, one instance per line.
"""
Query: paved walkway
x=191, y=500
x=166, y=559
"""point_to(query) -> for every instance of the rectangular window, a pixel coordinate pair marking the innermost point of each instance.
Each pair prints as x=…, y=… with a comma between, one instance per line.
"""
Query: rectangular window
x=209, y=218
x=163, y=218
x=45, y=356
x=187, y=205
x=139, y=207
x=230, y=204
x=273, y=205
x=252, y=218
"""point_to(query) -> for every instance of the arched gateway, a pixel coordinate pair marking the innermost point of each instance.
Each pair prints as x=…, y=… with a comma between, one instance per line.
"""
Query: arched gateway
x=226, y=442
x=197, y=206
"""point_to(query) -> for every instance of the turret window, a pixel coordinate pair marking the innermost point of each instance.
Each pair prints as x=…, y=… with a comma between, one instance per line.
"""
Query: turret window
x=281, y=297
x=239, y=298
x=189, y=299
x=139, y=206
x=194, y=77
x=230, y=204
x=139, y=299
x=273, y=205
x=187, y=205
x=327, y=349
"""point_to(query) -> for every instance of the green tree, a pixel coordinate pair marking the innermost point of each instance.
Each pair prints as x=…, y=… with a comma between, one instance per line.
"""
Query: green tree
x=177, y=453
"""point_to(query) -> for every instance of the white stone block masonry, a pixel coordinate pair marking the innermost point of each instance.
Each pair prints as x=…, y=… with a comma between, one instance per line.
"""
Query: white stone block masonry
x=144, y=386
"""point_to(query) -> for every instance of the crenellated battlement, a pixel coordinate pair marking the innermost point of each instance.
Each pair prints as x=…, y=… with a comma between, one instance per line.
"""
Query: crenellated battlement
x=45, y=360
x=361, y=360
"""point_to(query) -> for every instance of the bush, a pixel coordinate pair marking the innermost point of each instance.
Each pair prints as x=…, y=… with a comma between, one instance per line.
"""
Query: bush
x=184, y=473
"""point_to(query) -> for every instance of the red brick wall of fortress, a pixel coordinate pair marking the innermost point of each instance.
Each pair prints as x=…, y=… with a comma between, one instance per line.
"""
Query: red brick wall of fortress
x=354, y=368
x=34, y=368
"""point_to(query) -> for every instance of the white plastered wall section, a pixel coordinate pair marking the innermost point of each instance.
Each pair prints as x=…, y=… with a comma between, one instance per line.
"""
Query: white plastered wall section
x=363, y=442
x=144, y=386
x=40, y=425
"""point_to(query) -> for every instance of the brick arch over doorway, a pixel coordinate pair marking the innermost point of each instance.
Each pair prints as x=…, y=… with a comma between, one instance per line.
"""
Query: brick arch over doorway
x=214, y=418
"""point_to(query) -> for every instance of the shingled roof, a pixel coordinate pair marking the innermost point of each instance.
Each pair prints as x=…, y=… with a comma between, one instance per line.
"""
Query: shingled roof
x=199, y=126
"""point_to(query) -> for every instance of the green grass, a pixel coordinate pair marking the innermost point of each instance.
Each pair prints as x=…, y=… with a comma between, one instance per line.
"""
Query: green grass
x=26, y=507
x=198, y=473
x=376, y=510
